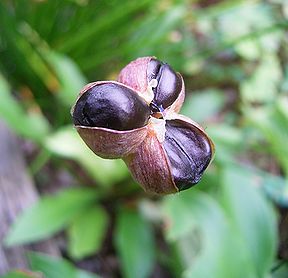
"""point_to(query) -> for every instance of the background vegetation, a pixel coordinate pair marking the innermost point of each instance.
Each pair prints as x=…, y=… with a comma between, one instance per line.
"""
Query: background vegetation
x=233, y=55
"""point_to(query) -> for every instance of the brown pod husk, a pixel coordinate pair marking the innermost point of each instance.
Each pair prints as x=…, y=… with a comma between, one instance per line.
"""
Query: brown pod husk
x=134, y=74
x=108, y=143
x=150, y=167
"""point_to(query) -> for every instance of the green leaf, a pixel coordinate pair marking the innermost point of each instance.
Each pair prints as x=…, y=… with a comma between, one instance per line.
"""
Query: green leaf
x=228, y=140
x=22, y=274
x=272, y=122
x=208, y=231
x=249, y=49
x=198, y=225
x=21, y=45
x=49, y=215
x=154, y=30
x=262, y=86
x=252, y=217
x=100, y=169
x=135, y=244
x=87, y=232
x=33, y=125
x=212, y=99
x=53, y=267
x=280, y=270
x=109, y=21
x=85, y=274
x=253, y=48
x=69, y=75
x=248, y=16
x=275, y=187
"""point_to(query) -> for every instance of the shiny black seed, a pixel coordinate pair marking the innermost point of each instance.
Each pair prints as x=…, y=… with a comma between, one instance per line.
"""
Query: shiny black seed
x=189, y=152
x=169, y=83
x=156, y=108
x=153, y=69
x=112, y=106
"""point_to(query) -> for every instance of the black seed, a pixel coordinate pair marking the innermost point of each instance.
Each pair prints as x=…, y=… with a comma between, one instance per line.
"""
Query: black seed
x=156, y=108
x=189, y=152
x=111, y=106
x=169, y=83
x=153, y=69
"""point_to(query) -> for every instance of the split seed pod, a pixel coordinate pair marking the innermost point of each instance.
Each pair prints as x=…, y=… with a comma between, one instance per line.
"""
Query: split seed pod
x=137, y=119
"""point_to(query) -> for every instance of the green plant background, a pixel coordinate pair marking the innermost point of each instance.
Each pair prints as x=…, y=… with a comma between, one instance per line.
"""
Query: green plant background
x=233, y=56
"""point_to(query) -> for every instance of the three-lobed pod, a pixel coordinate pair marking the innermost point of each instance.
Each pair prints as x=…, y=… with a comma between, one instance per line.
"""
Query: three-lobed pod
x=137, y=119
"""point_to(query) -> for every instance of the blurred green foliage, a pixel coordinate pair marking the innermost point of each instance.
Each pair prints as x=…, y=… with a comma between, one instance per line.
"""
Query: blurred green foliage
x=233, y=55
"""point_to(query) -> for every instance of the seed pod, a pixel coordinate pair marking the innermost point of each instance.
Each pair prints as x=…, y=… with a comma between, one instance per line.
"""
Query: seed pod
x=111, y=118
x=137, y=120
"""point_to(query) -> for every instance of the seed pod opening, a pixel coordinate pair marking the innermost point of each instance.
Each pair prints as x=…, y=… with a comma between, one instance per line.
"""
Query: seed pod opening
x=111, y=105
x=189, y=152
x=169, y=84
x=169, y=92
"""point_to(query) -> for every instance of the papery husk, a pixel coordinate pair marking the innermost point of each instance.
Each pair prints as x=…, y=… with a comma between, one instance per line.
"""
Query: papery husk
x=150, y=167
x=108, y=143
x=134, y=74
